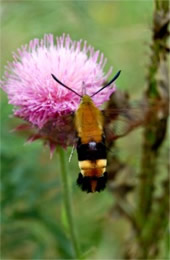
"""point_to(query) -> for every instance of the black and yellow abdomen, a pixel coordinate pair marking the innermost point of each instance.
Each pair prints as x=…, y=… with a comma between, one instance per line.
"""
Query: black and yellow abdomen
x=91, y=147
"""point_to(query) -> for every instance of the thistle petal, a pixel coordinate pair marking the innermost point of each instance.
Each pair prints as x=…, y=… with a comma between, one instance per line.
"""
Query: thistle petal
x=40, y=100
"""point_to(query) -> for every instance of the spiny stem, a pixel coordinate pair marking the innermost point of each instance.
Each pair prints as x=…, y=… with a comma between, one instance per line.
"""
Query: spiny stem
x=67, y=201
x=151, y=220
x=155, y=131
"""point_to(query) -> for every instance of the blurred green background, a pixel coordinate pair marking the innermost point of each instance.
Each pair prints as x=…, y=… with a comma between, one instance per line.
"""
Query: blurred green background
x=33, y=218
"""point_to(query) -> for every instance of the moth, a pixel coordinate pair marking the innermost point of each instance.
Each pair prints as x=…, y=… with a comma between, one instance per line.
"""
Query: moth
x=91, y=148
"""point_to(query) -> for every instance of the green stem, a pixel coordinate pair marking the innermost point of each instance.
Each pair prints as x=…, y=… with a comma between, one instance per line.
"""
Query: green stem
x=67, y=201
x=149, y=219
x=155, y=130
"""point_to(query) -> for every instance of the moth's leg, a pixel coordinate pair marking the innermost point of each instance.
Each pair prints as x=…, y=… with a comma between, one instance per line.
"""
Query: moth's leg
x=71, y=154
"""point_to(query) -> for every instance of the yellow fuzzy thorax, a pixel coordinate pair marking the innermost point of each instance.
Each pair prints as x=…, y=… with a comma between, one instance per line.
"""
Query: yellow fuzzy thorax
x=89, y=121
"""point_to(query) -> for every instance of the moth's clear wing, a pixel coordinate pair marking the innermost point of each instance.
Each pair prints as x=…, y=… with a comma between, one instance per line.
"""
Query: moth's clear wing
x=120, y=121
x=61, y=130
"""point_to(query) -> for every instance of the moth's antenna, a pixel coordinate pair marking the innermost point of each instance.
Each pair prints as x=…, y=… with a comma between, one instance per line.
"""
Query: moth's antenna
x=115, y=77
x=65, y=86
x=83, y=89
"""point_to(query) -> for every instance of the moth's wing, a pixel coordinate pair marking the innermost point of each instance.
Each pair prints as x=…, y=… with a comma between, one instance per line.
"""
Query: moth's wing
x=121, y=115
x=61, y=130
x=118, y=122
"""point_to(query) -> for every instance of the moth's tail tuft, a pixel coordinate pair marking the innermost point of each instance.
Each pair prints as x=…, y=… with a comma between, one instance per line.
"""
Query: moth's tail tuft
x=86, y=183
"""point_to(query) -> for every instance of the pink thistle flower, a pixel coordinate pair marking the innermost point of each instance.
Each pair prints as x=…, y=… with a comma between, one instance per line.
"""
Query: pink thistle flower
x=40, y=100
